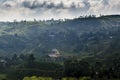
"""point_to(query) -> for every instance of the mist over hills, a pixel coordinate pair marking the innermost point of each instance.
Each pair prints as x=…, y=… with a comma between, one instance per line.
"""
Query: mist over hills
x=86, y=36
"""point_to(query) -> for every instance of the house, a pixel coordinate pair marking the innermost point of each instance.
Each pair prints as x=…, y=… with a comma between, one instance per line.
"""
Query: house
x=54, y=53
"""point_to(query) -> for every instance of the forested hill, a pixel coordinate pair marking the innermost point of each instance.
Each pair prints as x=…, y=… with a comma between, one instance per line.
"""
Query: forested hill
x=84, y=36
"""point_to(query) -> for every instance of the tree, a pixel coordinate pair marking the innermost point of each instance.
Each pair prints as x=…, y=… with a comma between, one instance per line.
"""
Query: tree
x=30, y=61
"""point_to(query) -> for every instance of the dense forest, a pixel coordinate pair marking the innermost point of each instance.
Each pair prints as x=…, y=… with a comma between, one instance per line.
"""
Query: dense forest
x=89, y=48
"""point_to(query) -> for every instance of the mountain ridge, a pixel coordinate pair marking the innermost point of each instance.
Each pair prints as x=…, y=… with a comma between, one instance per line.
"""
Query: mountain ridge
x=79, y=36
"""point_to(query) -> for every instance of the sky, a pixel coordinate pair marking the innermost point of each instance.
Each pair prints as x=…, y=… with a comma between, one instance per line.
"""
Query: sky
x=57, y=9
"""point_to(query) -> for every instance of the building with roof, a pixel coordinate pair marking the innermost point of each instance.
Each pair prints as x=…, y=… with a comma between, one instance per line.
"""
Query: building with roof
x=54, y=53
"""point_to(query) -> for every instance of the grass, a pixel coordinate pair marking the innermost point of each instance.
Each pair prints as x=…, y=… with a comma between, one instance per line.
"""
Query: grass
x=2, y=76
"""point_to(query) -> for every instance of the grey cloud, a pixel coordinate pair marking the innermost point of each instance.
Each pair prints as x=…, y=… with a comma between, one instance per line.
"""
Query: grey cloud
x=105, y=2
x=86, y=6
x=75, y=9
x=73, y=5
x=37, y=5
x=7, y=6
x=51, y=5
x=32, y=5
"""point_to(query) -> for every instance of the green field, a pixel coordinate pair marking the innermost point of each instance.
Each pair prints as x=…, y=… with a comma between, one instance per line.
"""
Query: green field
x=2, y=77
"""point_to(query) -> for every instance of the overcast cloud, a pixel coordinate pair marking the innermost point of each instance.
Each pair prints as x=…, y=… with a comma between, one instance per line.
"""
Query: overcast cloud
x=57, y=9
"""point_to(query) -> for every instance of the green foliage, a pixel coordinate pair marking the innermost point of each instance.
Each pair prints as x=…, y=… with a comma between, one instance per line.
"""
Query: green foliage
x=76, y=68
x=85, y=78
x=3, y=77
x=37, y=78
x=48, y=78
x=31, y=67
x=69, y=78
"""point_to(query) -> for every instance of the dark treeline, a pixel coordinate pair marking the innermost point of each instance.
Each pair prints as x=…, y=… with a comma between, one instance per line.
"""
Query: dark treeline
x=21, y=66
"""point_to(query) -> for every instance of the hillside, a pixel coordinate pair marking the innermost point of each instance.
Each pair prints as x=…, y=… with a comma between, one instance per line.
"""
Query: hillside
x=86, y=36
x=87, y=48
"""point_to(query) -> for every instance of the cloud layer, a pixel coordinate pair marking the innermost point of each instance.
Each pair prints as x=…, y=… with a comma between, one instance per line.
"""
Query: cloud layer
x=57, y=9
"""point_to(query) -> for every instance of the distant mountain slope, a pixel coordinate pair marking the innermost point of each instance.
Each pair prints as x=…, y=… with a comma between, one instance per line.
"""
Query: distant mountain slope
x=80, y=36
